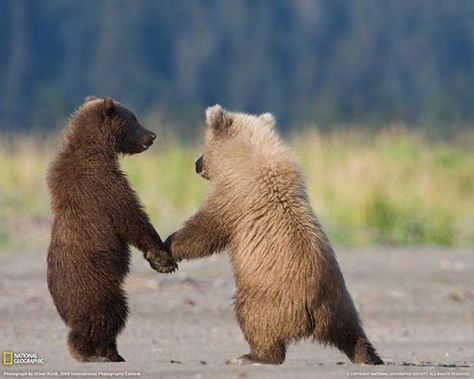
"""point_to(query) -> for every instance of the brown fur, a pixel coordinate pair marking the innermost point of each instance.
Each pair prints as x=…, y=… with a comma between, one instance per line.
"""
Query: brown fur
x=96, y=216
x=289, y=285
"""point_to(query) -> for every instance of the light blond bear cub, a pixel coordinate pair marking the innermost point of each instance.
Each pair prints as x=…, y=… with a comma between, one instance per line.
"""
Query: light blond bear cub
x=289, y=285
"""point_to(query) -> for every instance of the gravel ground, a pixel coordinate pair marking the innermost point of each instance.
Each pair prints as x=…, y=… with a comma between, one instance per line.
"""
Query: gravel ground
x=417, y=305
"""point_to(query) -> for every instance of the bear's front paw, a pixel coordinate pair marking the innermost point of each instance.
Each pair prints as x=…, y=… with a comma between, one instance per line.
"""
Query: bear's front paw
x=169, y=246
x=161, y=261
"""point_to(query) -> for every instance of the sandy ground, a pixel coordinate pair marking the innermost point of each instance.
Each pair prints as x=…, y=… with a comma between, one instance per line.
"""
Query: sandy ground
x=417, y=306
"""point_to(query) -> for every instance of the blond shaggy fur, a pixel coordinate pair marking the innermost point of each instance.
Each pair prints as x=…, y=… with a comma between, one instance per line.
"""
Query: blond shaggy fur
x=289, y=285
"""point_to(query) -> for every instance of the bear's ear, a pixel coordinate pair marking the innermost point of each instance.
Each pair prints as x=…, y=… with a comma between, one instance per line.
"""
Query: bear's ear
x=90, y=98
x=109, y=106
x=268, y=118
x=217, y=119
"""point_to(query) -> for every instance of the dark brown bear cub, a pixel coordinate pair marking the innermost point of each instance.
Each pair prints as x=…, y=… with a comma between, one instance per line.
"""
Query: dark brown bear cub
x=97, y=216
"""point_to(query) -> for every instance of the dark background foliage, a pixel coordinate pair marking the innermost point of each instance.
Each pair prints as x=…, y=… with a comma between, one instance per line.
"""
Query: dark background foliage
x=325, y=62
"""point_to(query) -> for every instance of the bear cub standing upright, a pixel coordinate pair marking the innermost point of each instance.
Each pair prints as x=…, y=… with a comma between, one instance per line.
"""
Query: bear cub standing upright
x=289, y=285
x=96, y=216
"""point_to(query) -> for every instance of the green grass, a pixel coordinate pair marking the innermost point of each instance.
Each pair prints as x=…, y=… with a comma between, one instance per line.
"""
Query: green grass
x=393, y=187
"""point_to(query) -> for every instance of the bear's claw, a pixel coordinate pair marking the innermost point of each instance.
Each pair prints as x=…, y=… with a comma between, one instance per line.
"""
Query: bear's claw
x=244, y=360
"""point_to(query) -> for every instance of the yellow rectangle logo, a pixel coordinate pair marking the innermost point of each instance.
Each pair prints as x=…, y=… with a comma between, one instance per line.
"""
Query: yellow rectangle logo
x=7, y=358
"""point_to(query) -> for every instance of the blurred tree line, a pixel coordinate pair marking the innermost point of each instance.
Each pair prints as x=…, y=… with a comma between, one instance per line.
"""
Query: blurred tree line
x=330, y=62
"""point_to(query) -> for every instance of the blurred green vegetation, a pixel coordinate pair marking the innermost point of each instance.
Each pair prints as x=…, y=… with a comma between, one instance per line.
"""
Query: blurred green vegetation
x=392, y=187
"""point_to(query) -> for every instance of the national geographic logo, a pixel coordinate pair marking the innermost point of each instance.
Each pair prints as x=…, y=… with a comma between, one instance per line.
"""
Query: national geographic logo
x=7, y=358
x=10, y=358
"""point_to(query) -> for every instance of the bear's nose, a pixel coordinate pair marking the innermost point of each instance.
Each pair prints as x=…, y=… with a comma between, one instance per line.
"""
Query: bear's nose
x=198, y=166
x=149, y=138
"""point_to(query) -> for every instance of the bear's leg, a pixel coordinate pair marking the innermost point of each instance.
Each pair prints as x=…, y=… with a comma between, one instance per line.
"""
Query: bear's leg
x=363, y=352
x=344, y=331
x=351, y=339
x=82, y=348
x=94, y=338
x=357, y=348
x=76, y=347
x=273, y=353
x=107, y=324
x=266, y=346
x=110, y=352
